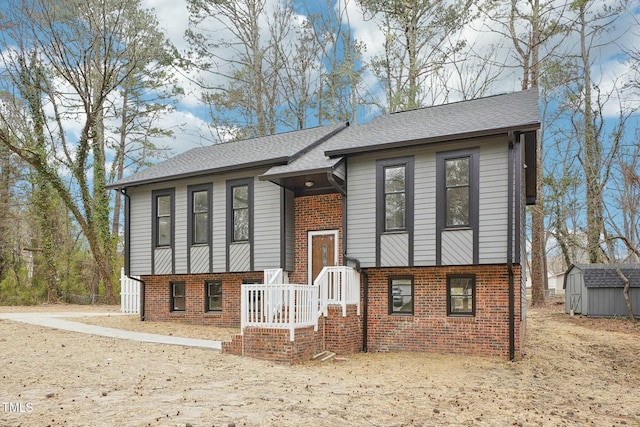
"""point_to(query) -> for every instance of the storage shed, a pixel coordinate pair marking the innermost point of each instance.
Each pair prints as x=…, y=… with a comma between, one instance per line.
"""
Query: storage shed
x=595, y=290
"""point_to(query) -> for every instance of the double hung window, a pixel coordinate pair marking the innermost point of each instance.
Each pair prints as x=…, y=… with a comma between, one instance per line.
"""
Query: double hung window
x=199, y=214
x=401, y=295
x=213, y=299
x=457, y=186
x=461, y=295
x=240, y=207
x=178, y=298
x=163, y=218
x=395, y=198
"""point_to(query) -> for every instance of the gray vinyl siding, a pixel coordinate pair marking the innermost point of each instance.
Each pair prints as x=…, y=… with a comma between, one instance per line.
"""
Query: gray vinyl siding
x=361, y=212
x=140, y=234
x=492, y=236
x=424, y=214
x=267, y=224
x=493, y=201
x=268, y=233
x=219, y=226
x=340, y=171
x=181, y=244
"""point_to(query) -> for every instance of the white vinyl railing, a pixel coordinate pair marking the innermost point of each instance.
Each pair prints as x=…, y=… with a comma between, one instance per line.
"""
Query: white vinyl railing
x=291, y=306
x=129, y=294
x=279, y=306
x=275, y=275
x=338, y=285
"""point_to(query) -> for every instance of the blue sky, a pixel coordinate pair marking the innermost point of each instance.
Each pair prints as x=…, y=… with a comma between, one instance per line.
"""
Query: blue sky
x=608, y=70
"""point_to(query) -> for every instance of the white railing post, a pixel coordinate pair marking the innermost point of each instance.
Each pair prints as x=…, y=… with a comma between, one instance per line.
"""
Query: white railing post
x=338, y=286
x=292, y=312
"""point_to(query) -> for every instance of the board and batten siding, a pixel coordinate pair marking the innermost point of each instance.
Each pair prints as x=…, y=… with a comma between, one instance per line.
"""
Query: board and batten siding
x=268, y=205
x=492, y=233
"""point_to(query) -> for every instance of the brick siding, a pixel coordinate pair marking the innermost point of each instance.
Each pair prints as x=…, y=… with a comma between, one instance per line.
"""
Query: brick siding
x=430, y=329
x=157, y=301
x=314, y=213
x=341, y=335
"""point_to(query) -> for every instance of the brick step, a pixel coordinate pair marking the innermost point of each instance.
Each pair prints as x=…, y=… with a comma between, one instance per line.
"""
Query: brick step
x=324, y=356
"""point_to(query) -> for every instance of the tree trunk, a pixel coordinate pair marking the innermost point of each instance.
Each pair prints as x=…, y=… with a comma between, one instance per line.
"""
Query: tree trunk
x=627, y=300
x=625, y=293
x=538, y=240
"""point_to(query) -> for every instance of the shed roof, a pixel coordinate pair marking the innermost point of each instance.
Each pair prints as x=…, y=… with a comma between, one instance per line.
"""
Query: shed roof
x=605, y=275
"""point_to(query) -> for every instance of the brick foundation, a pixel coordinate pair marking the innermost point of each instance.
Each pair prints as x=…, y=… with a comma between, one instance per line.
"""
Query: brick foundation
x=429, y=329
x=341, y=335
x=157, y=301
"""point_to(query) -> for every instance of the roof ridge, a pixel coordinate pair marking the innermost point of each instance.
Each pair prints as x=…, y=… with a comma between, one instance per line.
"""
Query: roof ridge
x=495, y=95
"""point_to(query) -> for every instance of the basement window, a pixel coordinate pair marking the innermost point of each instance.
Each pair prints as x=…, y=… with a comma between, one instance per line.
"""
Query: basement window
x=461, y=295
x=401, y=295
x=213, y=300
x=178, y=300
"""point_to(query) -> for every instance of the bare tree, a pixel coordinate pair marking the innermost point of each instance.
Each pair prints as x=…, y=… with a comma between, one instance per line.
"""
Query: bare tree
x=416, y=45
x=84, y=52
x=533, y=28
x=233, y=49
x=338, y=56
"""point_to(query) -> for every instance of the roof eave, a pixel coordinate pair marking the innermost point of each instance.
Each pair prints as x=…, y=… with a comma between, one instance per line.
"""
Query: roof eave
x=232, y=168
x=292, y=174
x=433, y=140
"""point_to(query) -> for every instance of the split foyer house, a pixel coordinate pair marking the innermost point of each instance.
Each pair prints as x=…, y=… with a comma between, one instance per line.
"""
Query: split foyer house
x=402, y=234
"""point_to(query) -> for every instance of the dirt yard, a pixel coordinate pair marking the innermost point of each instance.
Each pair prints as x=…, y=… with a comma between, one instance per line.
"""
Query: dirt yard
x=575, y=372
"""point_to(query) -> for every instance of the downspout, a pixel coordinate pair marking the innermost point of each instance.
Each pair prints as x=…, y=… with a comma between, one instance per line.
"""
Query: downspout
x=365, y=311
x=127, y=253
x=510, y=197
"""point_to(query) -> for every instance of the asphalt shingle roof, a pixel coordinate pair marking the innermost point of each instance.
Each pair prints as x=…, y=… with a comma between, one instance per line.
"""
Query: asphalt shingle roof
x=320, y=148
x=458, y=120
x=605, y=275
x=265, y=151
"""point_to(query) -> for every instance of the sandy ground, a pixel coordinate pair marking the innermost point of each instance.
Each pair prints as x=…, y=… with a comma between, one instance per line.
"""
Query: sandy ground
x=575, y=372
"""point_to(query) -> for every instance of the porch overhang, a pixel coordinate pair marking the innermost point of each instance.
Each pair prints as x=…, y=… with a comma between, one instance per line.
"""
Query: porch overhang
x=312, y=173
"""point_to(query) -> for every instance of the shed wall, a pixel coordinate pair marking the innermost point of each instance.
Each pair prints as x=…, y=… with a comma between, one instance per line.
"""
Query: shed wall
x=609, y=302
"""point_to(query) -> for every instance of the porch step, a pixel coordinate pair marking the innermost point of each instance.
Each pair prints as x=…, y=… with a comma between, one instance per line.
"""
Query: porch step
x=324, y=356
